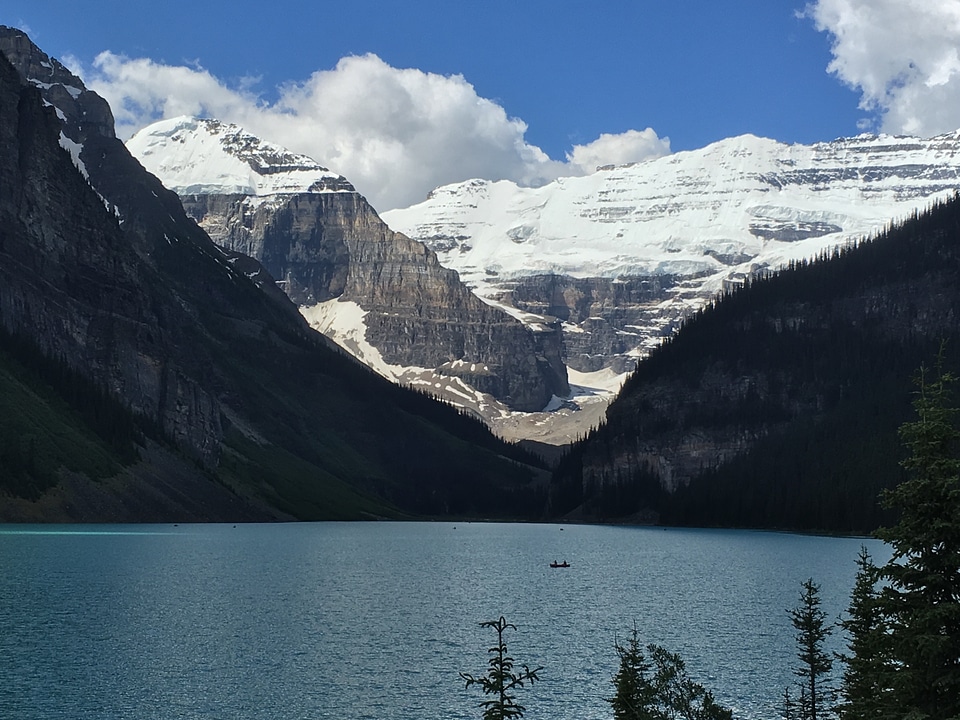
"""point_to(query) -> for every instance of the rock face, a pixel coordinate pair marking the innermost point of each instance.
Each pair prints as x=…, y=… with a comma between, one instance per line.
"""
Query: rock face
x=251, y=414
x=310, y=264
x=603, y=318
x=76, y=281
x=623, y=255
x=323, y=242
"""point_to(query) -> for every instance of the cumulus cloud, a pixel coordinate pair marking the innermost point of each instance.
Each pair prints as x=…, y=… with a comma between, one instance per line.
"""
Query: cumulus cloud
x=628, y=147
x=395, y=133
x=141, y=91
x=902, y=55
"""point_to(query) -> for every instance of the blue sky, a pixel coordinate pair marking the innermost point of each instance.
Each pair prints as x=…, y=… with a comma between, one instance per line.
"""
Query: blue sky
x=511, y=88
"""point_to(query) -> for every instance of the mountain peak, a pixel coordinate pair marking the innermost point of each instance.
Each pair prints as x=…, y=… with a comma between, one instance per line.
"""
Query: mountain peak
x=623, y=255
x=76, y=106
x=203, y=156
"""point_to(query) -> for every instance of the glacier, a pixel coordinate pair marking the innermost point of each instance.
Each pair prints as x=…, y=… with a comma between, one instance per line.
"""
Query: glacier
x=696, y=222
x=203, y=156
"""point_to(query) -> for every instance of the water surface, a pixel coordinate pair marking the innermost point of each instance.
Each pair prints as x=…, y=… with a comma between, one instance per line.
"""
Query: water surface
x=375, y=620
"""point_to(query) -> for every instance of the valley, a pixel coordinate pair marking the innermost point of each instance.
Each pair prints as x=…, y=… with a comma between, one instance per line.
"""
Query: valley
x=207, y=328
x=599, y=269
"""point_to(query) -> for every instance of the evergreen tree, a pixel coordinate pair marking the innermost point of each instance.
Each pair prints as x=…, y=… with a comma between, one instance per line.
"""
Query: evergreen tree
x=666, y=693
x=815, y=663
x=788, y=709
x=501, y=679
x=867, y=672
x=634, y=690
x=920, y=600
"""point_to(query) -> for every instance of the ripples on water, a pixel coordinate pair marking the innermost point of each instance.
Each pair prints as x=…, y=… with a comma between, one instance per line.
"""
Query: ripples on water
x=351, y=621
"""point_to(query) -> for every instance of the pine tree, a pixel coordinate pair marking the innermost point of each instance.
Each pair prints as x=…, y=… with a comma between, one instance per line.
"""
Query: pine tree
x=501, y=679
x=867, y=672
x=659, y=689
x=680, y=697
x=920, y=600
x=634, y=690
x=815, y=663
x=788, y=708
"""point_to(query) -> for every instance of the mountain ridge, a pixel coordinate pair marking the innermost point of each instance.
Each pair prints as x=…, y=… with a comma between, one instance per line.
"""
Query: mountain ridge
x=327, y=246
x=778, y=404
x=256, y=416
x=679, y=228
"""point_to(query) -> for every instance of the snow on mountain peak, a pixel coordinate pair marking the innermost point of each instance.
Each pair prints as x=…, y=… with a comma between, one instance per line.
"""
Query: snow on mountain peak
x=718, y=211
x=198, y=156
x=622, y=255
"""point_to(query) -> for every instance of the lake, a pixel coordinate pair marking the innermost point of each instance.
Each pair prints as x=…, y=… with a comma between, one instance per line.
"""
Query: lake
x=375, y=620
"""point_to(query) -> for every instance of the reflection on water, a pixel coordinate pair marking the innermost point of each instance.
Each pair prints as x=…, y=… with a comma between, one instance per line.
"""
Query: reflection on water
x=350, y=620
x=73, y=530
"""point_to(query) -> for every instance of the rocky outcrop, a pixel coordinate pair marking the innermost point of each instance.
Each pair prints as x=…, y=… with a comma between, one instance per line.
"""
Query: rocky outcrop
x=322, y=245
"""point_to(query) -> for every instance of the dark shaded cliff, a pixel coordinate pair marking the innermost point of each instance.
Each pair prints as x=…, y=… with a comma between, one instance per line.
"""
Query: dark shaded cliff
x=236, y=409
x=779, y=405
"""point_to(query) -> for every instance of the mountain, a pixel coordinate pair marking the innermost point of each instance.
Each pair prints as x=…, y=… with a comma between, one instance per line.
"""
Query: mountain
x=616, y=259
x=147, y=374
x=778, y=405
x=381, y=295
x=621, y=256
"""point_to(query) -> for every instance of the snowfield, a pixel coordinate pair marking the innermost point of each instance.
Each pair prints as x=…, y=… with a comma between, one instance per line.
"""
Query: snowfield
x=200, y=156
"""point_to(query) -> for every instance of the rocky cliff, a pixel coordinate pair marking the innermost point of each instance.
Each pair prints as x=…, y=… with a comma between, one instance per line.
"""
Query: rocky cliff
x=249, y=412
x=323, y=242
x=77, y=270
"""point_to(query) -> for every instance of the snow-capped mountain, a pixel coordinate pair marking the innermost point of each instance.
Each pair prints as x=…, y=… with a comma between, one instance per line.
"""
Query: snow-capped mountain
x=623, y=254
x=166, y=386
x=380, y=295
x=619, y=257
x=204, y=156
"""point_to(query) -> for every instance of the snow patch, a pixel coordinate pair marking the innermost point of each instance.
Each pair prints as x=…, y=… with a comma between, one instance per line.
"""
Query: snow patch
x=74, y=92
x=74, y=148
x=343, y=322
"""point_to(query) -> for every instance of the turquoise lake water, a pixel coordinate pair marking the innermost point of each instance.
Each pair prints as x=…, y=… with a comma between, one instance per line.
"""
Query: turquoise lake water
x=375, y=620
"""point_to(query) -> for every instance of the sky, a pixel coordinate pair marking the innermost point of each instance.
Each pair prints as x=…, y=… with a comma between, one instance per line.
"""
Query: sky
x=402, y=97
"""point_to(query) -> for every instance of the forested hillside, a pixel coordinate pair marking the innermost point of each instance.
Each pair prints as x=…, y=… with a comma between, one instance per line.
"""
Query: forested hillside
x=778, y=405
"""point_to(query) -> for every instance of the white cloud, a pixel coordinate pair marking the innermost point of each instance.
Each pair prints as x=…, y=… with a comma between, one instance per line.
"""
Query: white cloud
x=628, y=147
x=395, y=133
x=141, y=91
x=903, y=57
